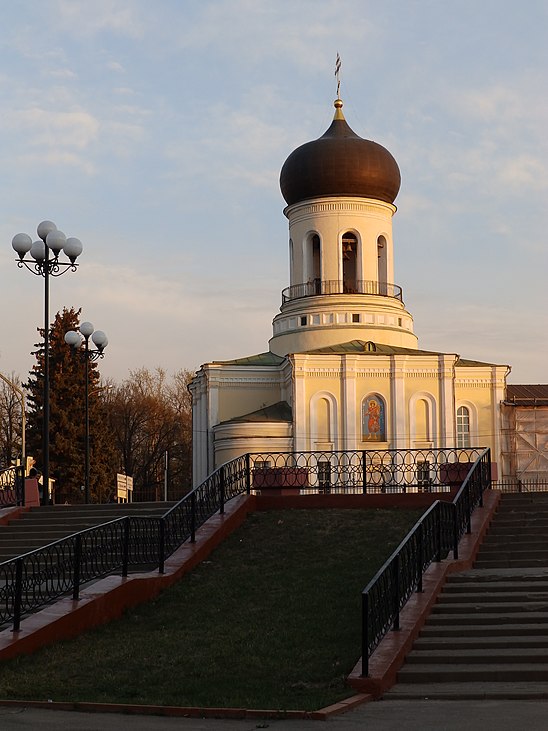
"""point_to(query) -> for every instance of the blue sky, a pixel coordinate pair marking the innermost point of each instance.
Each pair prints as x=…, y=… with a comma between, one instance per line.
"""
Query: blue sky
x=155, y=133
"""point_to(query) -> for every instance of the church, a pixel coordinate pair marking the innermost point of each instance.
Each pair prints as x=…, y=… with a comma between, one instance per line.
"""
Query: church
x=343, y=369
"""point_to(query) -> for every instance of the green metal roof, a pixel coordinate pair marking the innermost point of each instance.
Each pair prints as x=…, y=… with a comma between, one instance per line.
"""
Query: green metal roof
x=280, y=411
x=262, y=359
x=362, y=347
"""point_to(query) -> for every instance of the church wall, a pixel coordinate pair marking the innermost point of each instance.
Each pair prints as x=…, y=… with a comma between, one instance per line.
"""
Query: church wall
x=483, y=388
x=330, y=218
x=225, y=391
x=237, y=438
x=237, y=400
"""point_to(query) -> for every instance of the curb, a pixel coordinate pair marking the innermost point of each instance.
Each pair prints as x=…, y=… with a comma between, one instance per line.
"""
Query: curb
x=192, y=711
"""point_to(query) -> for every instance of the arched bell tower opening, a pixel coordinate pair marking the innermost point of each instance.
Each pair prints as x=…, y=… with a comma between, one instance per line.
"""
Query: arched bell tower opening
x=349, y=256
x=382, y=264
x=316, y=256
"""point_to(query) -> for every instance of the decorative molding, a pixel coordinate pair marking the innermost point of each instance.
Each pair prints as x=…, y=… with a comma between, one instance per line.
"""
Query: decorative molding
x=303, y=210
x=221, y=383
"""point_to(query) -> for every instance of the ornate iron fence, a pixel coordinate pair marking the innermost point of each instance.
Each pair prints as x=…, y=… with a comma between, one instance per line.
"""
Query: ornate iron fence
x=12, y=486
x=518, y=484
x=135, y=542
x=436, y=533
x=369, y=471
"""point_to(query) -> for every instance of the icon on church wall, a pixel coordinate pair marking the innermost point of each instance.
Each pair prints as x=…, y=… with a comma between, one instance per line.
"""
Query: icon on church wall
x=373, y=428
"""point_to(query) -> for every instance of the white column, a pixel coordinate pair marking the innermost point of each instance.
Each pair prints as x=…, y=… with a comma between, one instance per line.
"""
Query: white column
x=498, y=386
x=447, y=437
x=399, y=439
x=299, y=404
x=212, y=420
x=348, y=416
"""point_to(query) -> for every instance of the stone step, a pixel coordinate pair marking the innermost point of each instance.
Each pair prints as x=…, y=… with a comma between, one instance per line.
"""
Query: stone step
x=486, y=656
x=496, y=575
x=40, y=516
x=476, y=618
x=476, y=672
x=471, y=630
x=488, y=563
x=519, y=499
x=489, y=597
x=480, y=607
x=518, y=539
x=456, y=588
x=512, y=690
x=98, y=507
x=534, y=521
x=508, y=556
x=459, y=642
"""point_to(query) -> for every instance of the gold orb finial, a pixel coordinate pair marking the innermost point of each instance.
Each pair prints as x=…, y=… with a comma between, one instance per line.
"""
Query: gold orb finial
x=338, y=104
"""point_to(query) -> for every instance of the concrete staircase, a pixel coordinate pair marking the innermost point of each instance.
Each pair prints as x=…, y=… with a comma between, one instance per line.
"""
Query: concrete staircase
x=487, y=635
x=41, y=526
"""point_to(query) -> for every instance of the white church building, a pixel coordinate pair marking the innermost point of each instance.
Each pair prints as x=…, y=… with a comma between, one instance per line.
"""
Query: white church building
x=343, y=369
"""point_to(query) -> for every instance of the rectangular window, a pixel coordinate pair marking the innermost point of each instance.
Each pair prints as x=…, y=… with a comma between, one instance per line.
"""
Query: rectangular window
x=303, y=320
x=463, y=427
x=355, y=317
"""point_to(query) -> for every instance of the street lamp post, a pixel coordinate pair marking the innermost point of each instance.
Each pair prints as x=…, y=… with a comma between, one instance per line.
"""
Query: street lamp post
x=76, y=340
x=51, y=242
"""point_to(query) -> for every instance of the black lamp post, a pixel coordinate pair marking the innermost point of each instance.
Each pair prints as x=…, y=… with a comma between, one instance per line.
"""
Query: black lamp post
x=76, y=340
x=45, y=262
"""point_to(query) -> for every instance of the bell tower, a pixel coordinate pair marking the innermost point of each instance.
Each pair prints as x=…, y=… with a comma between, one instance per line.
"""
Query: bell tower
x=340, y=191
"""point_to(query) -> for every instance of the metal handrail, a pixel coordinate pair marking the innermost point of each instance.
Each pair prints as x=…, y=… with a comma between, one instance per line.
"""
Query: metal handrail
x=34, y=579
x=434, y=535
x=320, y=287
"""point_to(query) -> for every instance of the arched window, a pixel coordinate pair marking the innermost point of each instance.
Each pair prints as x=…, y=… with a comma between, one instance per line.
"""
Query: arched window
x=349, y=252
x=291, y=264
x=422, y=420
x=323, y=421
x=423, y=428
x=373, y=419
x=382, y=265
x=463, y=427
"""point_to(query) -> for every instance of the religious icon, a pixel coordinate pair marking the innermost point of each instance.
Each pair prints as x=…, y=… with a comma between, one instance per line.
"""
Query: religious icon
x=373, y=420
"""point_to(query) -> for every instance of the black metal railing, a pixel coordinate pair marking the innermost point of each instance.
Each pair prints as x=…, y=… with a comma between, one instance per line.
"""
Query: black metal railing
x=367, y=471
x=12, y=486
x=136, y=542
x=316, y=287
x=436, y=534
x=521, y=484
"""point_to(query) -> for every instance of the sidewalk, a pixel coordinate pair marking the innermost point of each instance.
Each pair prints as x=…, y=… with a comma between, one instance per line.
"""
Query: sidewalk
x=377, y=716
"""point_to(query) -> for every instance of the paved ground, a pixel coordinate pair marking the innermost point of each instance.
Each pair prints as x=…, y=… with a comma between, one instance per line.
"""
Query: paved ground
x=381, y=716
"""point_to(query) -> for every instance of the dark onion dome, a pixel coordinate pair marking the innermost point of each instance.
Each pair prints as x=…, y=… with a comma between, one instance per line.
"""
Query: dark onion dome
x=340, y=163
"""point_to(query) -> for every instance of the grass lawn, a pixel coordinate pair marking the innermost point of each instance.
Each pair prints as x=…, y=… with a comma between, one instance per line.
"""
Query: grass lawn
x=271, y=620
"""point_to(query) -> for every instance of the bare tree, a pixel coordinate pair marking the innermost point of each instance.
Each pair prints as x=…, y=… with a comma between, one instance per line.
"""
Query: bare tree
x=150, y=420
x=10, y=421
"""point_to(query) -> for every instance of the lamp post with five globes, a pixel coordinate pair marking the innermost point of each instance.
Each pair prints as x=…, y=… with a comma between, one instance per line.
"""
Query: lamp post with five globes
x=45, y=262
x=76, y=340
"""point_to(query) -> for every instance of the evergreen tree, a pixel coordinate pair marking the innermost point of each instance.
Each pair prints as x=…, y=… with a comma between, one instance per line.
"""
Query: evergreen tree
x=67, y=417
